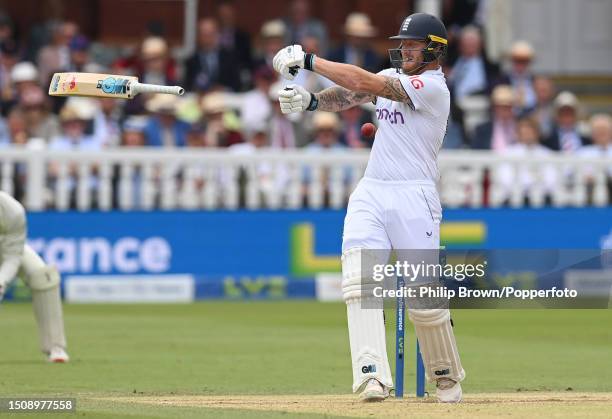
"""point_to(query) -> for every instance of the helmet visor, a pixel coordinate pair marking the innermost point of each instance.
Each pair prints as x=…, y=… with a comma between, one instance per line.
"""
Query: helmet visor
x=430, y=53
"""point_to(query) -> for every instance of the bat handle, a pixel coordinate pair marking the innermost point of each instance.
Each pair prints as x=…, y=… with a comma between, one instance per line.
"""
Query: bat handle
x=154, y=88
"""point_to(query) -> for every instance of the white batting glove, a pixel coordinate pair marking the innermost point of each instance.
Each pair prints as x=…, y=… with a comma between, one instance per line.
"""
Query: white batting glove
x=288, y=61
x=294, y=98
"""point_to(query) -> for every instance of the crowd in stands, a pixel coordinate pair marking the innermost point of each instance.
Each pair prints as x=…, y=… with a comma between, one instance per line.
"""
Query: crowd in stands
x=232, y=90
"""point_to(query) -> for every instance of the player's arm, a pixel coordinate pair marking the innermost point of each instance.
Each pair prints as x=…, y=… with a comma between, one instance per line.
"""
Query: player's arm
x=336, y=98
x=357, y=79
x=289, y=60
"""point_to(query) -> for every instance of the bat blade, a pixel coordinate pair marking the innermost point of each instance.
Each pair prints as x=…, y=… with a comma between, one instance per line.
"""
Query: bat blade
x=92, y=84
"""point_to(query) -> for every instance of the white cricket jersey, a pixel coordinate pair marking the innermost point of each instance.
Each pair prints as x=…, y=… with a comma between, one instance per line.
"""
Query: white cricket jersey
x=408, y=139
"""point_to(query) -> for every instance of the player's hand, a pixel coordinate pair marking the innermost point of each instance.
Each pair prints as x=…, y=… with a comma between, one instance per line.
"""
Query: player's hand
x=294, y=98
x=288, y=61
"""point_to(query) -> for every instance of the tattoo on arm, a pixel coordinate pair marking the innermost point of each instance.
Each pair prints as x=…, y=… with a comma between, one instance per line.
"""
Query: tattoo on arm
x=394, y=91
x=334, y=99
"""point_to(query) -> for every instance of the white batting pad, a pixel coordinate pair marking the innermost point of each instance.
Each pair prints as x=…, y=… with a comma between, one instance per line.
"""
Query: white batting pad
x=366, y=327
x=48, y=311
x=437, y=340
x=44, y=282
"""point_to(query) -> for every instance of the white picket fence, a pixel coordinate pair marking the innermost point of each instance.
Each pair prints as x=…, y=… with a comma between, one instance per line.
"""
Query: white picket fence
x=146, y=178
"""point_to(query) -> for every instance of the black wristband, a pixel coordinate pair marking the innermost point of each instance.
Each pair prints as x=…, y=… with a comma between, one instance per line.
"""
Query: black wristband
x=314, y=103
x=309, y=61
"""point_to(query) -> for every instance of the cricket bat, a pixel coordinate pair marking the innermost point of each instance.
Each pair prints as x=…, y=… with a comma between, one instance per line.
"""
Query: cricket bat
x=104, y=85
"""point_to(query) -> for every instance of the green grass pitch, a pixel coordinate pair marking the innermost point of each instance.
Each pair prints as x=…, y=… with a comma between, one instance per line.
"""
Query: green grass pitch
x=280, y=348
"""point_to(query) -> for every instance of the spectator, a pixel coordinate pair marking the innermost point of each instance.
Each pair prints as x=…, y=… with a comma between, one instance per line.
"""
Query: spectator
x=459, y=13
x=470, y=74
x=255, y=104
x=196, y=136
x=299, y=23
x=56, y=56
x=601, y=138
x=106, y=126
x=326, y=132
x=357, y=48
x=222, y=125
x=268, y=179
x=211, y=65
x=24, y=76
x=128, y=192
x=7, y=29
x=529, y=138
x=499, y=133
x=350, y=133
x=156, y=67
x=153, y=65
x=543, y=112
x=163, y=128
x=235, y=40
x=9, y=56
x=565, y=134
x=272, y=37
x=40, y=122
x=508, y=176
x=14, y=132
x=256, y=138
x=520, y=76
x=73, y=136
x=5, y=137
x=17, y=127
x=133, y=133
x=79, y=54
x=73, y=133
x=455, y=129
x=133, y=61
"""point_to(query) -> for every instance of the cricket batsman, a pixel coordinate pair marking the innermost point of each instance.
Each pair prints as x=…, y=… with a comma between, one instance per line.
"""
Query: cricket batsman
x=396, y=204
x=18, y=259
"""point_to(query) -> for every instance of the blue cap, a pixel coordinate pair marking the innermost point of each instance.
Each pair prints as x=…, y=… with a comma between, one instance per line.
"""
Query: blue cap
x=79, y=43
x=135, y=124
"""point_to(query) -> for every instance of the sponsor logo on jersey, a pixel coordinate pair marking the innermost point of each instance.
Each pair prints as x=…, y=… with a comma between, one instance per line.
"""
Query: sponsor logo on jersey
x=395, y=117
x=416, y=82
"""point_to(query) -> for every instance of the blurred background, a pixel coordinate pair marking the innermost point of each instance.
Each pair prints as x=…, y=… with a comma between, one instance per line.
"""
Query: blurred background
x=179, y=188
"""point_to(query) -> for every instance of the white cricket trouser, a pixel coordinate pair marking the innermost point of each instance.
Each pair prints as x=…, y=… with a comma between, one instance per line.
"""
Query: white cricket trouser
x=393, y=215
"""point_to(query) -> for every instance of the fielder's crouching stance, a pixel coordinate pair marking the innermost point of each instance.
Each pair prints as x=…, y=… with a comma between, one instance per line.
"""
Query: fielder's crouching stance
x=396, y=204
x=18, y=259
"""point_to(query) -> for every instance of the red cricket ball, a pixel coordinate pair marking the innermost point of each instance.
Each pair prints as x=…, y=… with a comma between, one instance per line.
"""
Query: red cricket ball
x=368, y=130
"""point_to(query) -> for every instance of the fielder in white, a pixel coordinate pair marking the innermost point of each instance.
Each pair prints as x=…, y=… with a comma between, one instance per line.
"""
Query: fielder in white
x=396, y=204
x=18, y=259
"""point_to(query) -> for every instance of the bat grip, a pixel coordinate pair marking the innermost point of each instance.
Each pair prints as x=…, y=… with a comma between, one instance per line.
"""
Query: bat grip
x=154, y=88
